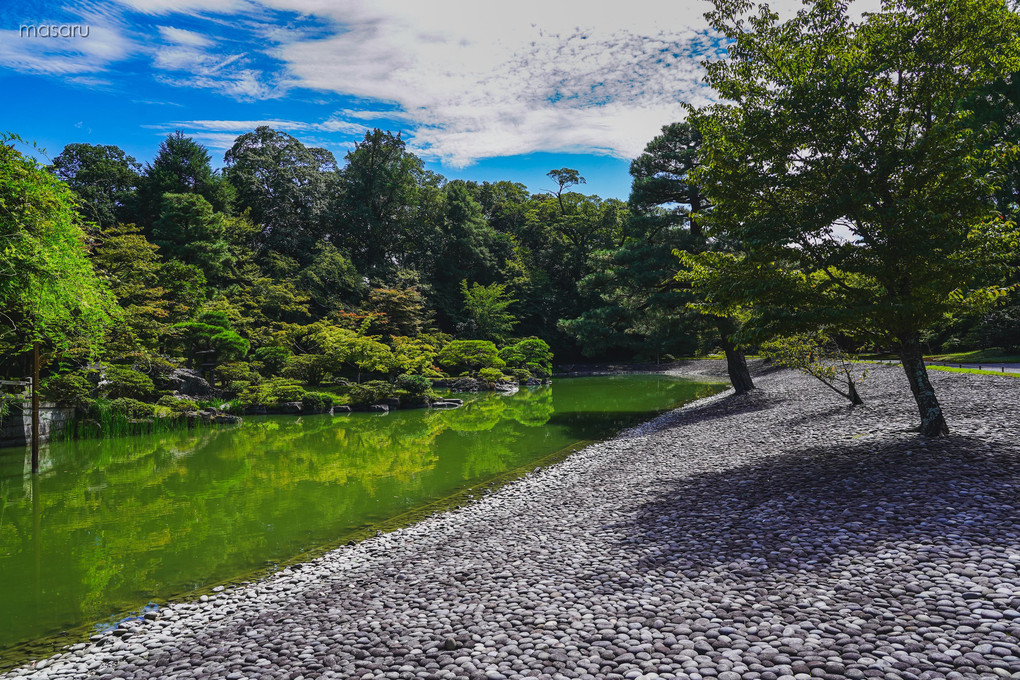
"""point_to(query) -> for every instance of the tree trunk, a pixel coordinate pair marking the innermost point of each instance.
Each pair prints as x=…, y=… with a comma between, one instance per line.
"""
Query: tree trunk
x=35, y=407
x=933, y=424
x=855, y=399
x=736, y=364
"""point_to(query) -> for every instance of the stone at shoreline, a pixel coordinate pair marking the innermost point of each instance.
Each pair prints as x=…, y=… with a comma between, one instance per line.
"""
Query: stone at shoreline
x=186, y=381
x=341, y=408
x=290, y=407
x=379, y=408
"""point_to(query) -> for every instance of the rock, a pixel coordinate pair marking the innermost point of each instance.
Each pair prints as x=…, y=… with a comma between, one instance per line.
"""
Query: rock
x=255, y=410
x=341, y=408
x=227, y=419
x=392, y=402
x=188, y=382
x=290, y=407
x=445, y=404
x=379, y=408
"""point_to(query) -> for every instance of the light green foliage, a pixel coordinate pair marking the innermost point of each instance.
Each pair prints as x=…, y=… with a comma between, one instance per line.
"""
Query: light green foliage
x=416, y=386
x=48, y=289
x=132, y=408
x=416, y=356
x=491, y=375
x=470, y=355
x=368, y=393
x=177, y=405
x=311, y=369
x=236, y=375
x=532, y=354
x=821, y=357
x=486, y=309
x=271, y=392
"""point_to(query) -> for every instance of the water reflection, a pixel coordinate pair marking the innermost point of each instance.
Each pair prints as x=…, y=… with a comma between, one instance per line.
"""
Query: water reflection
x=112, y=524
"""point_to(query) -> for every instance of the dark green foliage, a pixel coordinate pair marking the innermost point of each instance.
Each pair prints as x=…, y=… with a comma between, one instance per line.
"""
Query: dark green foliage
x=414, y=385
x=104, y=179
x=285, y=186
x=190, y=231
x=273, y=359
x=331, y=279
x=317, y=402
x=68, y=389
x=181, y=167
x=125, y=382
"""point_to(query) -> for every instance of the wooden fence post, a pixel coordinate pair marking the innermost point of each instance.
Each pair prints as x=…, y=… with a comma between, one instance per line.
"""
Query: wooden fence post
x=35, y=408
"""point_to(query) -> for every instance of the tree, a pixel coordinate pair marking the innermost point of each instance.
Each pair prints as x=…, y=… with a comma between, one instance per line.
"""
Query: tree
x=188, y=230
x=470, y=355
x=181, y=167
x=822, y=358
x=376, y=201
x=565, y=178
x=331, y=279
x=486, y=308
x=48, y=289
x=284, y=184
x=209, y=341
x=103, y=177
x=858, y=127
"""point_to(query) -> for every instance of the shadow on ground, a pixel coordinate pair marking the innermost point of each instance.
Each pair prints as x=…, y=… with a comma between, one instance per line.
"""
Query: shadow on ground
x=799, y=512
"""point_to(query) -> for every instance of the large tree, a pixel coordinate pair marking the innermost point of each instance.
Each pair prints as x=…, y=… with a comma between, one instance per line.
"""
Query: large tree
x=851, y=172
x=103, y=177
x=48, y=290
x=182, y=166
x=285, y=185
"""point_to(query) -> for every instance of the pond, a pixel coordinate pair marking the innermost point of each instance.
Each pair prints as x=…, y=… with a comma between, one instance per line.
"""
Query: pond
x=112, y=525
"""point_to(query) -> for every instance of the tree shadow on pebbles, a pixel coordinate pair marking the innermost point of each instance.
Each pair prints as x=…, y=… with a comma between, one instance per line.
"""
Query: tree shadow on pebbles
x=841, y=513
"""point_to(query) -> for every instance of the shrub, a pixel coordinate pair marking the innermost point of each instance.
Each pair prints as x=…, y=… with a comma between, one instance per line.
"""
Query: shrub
x=123, y=382
x=132, y=408
x=414, y=385
x=470, y=355
x=272, y=359
x=317, y=402
x=271, y=392
x=490, y=375
x=531, y=353
x=235, y=376
x=519, y=374
x=177, y=405
x=68, y=389
x=368, y=393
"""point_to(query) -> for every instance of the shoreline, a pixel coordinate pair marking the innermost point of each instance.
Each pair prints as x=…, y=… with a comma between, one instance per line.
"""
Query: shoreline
x=702, y=506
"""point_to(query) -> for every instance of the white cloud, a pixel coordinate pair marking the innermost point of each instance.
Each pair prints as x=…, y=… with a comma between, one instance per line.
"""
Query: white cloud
x=180, y=36
x=100, y=40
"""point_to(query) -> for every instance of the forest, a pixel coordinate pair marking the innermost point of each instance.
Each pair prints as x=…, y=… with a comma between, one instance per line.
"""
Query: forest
x=851, y=189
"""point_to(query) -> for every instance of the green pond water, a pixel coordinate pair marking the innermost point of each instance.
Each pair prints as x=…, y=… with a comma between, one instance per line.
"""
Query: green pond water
x=112, y=525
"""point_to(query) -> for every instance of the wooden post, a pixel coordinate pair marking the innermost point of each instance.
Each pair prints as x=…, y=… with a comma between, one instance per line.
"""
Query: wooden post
x=35, y=408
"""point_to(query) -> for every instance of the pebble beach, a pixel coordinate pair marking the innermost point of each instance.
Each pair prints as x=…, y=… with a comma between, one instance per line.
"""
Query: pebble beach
x=776, y=535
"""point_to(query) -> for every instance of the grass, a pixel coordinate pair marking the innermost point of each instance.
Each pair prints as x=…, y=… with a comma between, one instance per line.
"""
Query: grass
x=975, y=371
x=994, y=355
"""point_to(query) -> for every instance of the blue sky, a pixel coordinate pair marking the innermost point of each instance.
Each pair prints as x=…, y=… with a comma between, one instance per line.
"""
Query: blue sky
x=481, y=90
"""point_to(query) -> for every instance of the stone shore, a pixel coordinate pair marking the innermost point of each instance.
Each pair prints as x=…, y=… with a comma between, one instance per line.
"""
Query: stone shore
x=778, y=535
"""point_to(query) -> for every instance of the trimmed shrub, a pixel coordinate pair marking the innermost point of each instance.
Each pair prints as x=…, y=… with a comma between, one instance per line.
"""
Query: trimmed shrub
x=490, y=375
x=68, y=389
x=124, y=382
x=470, y=355
x=414, y=385
x=317, y=402
x=368, y=393
x=271, y=392
x=272, y=359
x=132, y=408
x=177, y=405
x=519, y=374
x=531, y=353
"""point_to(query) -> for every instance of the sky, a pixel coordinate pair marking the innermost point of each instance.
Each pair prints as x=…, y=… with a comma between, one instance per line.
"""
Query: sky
x=480, y=90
